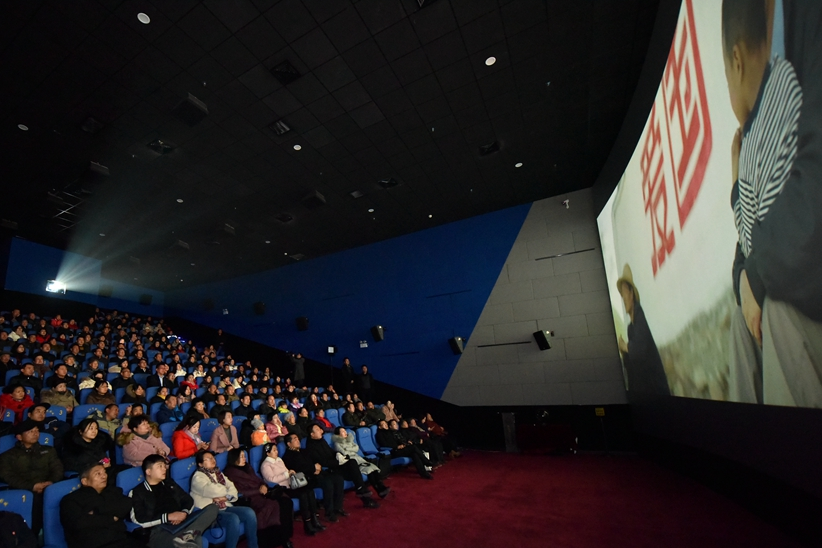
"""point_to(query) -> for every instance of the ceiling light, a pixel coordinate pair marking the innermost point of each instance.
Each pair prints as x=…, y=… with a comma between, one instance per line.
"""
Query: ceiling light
x=430, y=216
x=143, y=18
x=268, y=241
x=24, y=127
x=297, y=147
x=371, y=210
x=179, y=200
x=181, y=279
x=101, y=234
x=286, y=254
x=491, y=60
x=518, y=164
x=192, y=264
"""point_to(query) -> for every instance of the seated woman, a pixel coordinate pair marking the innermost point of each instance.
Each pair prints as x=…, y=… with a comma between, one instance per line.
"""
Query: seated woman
x=349, y=450
x=324, y=423
x=274, y=471
x=186, y=441
x=259, y=436
x=389, y=412
x=210, y=486
x=313, y=403
x=101, y=394
x=141, y=441
x=16, y=399
x=160, y=396
x=184, y=395
x=274, y=509
x=274, y=427
x=191, y=382
x=293, y=427
x=304, y=420
x=84, y=447
x=198, y=410
x=225, y=436
x=135, y=393
x=439, y=433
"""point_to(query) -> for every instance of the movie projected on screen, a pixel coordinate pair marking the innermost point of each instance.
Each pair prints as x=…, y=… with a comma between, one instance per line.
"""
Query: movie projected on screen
x=712, y=240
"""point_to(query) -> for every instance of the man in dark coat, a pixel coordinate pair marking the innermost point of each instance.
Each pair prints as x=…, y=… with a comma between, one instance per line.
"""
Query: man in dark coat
x=94, y=515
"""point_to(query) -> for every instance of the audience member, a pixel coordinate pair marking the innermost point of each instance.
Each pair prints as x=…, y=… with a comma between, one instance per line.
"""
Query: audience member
x=274, y=427
x=439, y=433
x=396, y=442
x=329, y=481
x=141, y=441
x=135, y=393
x=83, y=447
x=259, y=436
x=210, y=486
x=245, y=409
x=170, y=411
x=198, y=410
x=225, y=436
x=166, y=511
x=186, y=441
x=15, y=399
x=292, y=426
x=160, y=396
x=275, y=472
x=101, y=394
x=322, y=422
x=59, y=395
x=349, y=450
x=350, y=418
x=110, y=421
x=366, y=385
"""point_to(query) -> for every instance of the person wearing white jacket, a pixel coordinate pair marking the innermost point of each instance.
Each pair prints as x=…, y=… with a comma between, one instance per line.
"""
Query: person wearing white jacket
x=210, y=486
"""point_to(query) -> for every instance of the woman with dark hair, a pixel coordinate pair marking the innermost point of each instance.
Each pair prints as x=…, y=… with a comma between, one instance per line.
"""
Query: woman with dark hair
x=274, y=509
x=198, y=410
x=313, y=403
x=186, y=440
x=275, y=473
x=210, y=486
x=101, y=394
x=141, y=441
x=135, y=393
x=225, y=436
x=184, y=395
x=84, y=447
x=274, y=427
x=16, y=399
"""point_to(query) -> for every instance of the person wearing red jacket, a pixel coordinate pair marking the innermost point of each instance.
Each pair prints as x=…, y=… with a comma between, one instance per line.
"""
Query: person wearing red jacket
x=186, y=440
x=16, y=399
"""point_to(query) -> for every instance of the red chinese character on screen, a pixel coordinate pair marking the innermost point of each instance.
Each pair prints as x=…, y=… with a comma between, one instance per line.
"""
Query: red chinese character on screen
x=686, y=112
x=655, y=193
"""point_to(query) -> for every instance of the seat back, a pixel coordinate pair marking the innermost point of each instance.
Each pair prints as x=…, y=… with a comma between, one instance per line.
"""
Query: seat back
x=181, y=471
x=167, y=430
x=18, y=501
x=83, y=411
x=333, y=416
x=57, y=411
x=185, y=406
x=84, y=395
x=151, y=391
x=255, y=457
x=153, y=411
x=46, y=439
x=52, y=528
x=238, y=423
x=7, y=442
x=119, y=393
x=366, y=441
x=327, y=438
x=129, y=479
x=222, y=460
x=207, y=428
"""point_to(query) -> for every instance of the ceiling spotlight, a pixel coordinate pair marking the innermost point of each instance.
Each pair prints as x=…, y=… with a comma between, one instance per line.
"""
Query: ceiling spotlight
x=143, y=18
x=268, y=241
x=286, y=254
x=297, y=147
x=490, y=61
x=430, y=216
x=179, y=200
x=101, y=234
x=518, y=164
x=192, y=264
x=370, y=210
x=181, y=279
x=24, y=127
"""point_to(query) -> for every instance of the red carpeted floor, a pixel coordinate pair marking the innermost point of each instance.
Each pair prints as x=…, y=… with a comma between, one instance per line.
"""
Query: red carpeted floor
x=498, y=499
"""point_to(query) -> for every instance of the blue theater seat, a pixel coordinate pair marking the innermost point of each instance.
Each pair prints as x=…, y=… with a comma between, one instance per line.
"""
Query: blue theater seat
x=57, y=411
x=207, y=428
x=83, y=411
x=18, y=501
x=52, y=528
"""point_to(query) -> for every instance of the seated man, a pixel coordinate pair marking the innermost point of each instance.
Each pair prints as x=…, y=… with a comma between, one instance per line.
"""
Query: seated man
x=31, y=466
x=61, y=374
x=210, y=395
x=59, y=395
x=350, y=417
x=220, y=405
x=399, y=446
x=319, y=451
x=330, y=482
x=163, y=508
x=94, y=515
x=245, y=409
x=124, y=380
x=372, y=414
x=48, y=425
x=110, y=421
x=27, y=379
x=170, y=411
x=268, y=406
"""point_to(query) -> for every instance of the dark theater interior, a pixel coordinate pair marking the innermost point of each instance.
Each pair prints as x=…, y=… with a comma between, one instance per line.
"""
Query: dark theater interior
x=267, y=265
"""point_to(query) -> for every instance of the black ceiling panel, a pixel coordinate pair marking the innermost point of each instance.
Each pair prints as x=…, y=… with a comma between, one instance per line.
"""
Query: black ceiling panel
x=385, y=90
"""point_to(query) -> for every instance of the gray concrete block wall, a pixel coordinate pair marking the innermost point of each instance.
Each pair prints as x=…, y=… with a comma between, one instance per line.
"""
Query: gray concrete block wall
x=566, y=294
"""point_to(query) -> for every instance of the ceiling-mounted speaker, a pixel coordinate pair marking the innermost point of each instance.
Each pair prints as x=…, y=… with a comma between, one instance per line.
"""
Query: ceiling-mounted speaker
x=286, y=73
x=542, y=339
x=490, y=148
x=191, y=110
x=259, y=308
x=208, y=304
x=313, y=200
x=302, y=323
x=106, y=290
x=378, y=333
x=145, y=299
x=456, y=344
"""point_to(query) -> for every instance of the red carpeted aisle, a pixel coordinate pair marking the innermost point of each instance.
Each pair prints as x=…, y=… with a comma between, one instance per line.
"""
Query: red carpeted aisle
x=497, y=499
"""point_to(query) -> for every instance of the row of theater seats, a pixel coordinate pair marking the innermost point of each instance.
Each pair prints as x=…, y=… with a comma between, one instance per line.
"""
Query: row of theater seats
x=181, y=472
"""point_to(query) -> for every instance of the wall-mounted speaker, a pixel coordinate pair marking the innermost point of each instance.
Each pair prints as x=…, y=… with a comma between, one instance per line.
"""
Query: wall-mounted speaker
x=259, y=308
x=456, y=344
x=542, y=339
x=377, y=333
x=145, y=299
x=302, y=323
x=106, y=290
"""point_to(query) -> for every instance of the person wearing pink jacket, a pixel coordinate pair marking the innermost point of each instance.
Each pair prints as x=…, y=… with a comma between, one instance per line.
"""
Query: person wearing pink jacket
x=141, y=442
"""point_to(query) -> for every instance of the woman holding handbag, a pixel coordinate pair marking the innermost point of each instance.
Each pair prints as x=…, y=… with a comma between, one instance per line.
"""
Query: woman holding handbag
x=210, y=486
x=274, y=509
x=274, y=471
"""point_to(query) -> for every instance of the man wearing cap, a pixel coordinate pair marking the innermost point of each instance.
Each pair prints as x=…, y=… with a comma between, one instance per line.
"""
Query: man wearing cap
x=59, y=395
x=31, y=466
x=49, y=424
x=640, y=355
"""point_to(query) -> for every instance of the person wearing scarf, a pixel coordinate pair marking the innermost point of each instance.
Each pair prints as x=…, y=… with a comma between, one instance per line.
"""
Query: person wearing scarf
x=276, y=473
x=186, y=440
x=210, y=486
x=348, y=450
x=141, y=442
x=322, y=422
x=274, y=509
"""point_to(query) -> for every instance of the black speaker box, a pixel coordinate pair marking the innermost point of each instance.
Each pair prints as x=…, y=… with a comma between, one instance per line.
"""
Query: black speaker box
x=259, y=308
x=542, y=339
x=302, y=323
x=377, y=333
x=145, y=299
x=456, y=344
x=191, y=110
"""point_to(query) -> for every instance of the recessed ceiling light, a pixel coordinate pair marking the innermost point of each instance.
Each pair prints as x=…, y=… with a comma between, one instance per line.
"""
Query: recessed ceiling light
x=286, y=254
x=297, y=147
x=192, y=264
x=430, y=216
x=143, y=18
x=101, y=234
x=181, y=279
x=24, y=127
x=179, y=200
x=370, y=210
x=491, y=60
x=268, y=241
x=518, y=164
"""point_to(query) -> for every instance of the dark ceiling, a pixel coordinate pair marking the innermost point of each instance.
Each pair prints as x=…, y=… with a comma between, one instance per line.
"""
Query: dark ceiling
x=387, y=90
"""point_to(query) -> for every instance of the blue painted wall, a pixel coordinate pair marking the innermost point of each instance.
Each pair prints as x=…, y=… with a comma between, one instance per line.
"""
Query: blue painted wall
x=424, y=288
x=31, y=265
